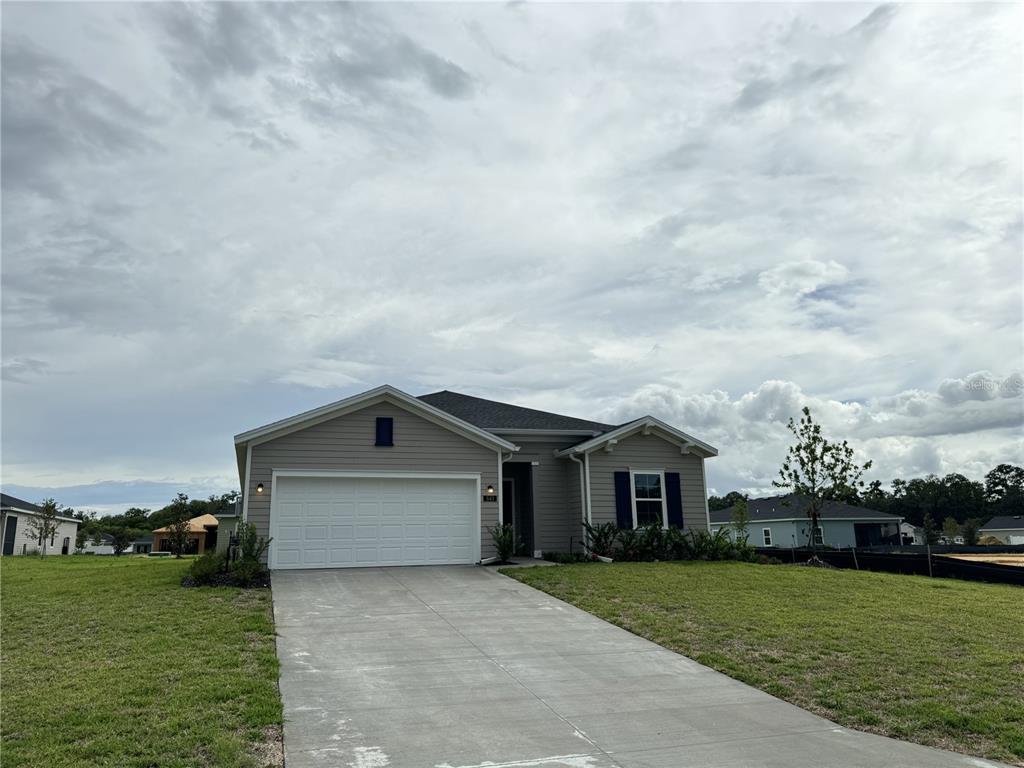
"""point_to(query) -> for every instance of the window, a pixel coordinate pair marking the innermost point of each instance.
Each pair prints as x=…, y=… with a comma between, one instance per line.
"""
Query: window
x=766, y=536
x=819, y=536
x=385, y=431
x=649, y=499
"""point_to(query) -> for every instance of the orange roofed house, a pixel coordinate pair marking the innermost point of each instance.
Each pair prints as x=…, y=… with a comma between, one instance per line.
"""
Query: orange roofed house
x=202, y=536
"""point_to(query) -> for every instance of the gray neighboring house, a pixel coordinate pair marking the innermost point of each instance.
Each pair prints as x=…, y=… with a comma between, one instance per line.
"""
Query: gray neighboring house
x=385, y=478
x=14, y=534
x=781, y=521
x=1009, y=529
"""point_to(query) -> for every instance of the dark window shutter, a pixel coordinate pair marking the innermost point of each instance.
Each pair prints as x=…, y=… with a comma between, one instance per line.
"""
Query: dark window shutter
x=674, y=499
x=385, y=430
x=623, y=502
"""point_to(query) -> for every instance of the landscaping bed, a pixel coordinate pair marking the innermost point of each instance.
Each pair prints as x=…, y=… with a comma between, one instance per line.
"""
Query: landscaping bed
x=109, y=662
x=935, y=661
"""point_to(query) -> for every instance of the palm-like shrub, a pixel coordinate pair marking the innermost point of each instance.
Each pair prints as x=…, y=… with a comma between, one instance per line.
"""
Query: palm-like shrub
x=601, y=538
x=505, y=542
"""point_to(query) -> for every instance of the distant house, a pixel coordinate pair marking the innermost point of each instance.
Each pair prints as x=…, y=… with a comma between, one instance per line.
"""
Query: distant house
x=15, y=537
x=103, y=545
x=781, y=521
x=228, y=525
x=202, y=536
x=911, y=534
x=1009, y=529
x=142, y=545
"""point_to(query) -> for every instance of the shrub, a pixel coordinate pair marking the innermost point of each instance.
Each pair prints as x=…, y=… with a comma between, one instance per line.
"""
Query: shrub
x=505, y=542
x=601, y=538
x=248, y=572
x=565, y=558
x=204, y=569
x=251, y=546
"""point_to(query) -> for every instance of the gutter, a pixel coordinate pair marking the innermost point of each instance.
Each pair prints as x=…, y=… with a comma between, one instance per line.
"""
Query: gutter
x=584, y=487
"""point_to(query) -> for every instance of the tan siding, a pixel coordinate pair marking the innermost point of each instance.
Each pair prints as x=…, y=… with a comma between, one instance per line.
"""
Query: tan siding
x=646, y=452
x=555, y=517
x=347, y=443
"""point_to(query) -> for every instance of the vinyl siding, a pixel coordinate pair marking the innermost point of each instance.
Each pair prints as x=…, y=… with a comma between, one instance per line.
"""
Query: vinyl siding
x=24, y=542
x=556, y=517
x=646, y=452
x=347, y=443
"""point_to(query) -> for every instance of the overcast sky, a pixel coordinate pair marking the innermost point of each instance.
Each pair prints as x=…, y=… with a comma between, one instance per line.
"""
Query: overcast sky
x=218, y=215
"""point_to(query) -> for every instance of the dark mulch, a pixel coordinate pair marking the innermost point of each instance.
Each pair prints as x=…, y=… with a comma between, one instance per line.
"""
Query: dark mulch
x=229, y=580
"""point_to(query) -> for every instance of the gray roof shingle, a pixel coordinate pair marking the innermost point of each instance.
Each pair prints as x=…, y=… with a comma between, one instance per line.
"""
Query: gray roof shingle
x=1004, y=522
x=492, y=415
x=793, y=507
x=12, y=501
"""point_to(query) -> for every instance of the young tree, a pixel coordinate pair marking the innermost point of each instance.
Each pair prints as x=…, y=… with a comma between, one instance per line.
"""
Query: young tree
x=818, y=470
x=931, y=533
x=970, y=531
x=42, y=526
x=950, y=528
x=179, y=528
x=741, y=519
x=121, y=539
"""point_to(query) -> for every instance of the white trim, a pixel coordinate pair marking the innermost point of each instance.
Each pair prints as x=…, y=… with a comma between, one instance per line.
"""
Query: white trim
x=245, y=489
x=586, y=473
x=704, y=485
x=371, y=473
x=20, y=511
x=766, y=537
x=648, y=423
x=365, y=399
x=632, y=493
x=542, y=432
x=806, y=519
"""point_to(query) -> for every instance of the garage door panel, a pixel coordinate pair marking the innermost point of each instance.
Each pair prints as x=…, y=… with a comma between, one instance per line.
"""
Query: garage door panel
x=323, y=522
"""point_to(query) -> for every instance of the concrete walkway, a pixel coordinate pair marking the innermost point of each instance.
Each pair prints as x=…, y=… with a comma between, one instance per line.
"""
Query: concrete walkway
x=461, y=667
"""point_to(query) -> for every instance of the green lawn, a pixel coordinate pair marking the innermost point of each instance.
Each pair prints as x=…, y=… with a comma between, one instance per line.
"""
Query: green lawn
x=109, y=662
x=936, y=661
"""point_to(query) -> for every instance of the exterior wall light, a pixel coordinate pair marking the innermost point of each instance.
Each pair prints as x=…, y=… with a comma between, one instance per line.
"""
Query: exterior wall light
x=490, y=489
x=259, y=487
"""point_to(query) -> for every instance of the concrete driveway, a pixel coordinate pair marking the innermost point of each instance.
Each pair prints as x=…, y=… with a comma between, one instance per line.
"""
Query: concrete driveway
x=459, y=667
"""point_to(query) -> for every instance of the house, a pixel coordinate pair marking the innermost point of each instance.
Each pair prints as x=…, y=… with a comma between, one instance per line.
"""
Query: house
x=1009, y=529
x=202, y=536
x=103, y=545
x=142, y=545
x=385, y=478
x=17, y=539
x=911, y=534
x=781, y=521
x=228, y=520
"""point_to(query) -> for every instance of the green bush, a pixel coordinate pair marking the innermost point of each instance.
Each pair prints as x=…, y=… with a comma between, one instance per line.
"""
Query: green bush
x=247, y=572
x=251, y=546
x=565, y=558
x=601, y=538
x=652, y=542
x=505, y=542
x=204, y=569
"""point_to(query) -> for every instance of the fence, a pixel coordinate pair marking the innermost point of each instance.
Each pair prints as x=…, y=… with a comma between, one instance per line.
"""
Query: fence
x=907, y=563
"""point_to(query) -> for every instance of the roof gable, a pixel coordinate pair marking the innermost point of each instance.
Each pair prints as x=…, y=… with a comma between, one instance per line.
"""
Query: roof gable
x=497, y=416
x=12, y=502
x=646, y=425
x=1004, y=523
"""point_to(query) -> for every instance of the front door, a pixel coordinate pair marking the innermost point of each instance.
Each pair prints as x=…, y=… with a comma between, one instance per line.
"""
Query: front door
x=66, y=547
x=508, y=507
x=10, y=531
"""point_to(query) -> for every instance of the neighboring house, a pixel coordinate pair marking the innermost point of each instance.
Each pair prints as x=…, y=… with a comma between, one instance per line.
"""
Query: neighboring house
x=384, y=478
x=1009, y=529
x=202, y=536
x=228, y=525
x=142, y=545
x=911, y=534
x=104, y=546
x=15, y=537
x=781, y=521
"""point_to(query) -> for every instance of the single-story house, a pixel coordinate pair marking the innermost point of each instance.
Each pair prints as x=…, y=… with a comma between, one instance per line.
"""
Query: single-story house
x=103, y=546
x=228, y=520
x=781, y=521
x=1009, y=529
x=911, y=534
x=202, y=536
x=17, y=539
x=142, y=545
x=385, y=478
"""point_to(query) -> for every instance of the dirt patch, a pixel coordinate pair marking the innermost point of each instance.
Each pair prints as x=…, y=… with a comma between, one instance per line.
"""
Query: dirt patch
x=269, y=750
x=999, y=559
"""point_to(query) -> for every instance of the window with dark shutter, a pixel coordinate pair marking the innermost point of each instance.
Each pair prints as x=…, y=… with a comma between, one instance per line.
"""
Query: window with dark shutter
x=385, y=431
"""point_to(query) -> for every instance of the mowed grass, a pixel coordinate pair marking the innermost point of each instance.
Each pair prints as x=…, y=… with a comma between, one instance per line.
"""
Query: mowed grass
x=935, y=661
x=109, y=662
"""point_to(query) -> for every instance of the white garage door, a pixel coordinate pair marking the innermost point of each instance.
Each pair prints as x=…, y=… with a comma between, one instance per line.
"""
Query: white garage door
x=338, y=522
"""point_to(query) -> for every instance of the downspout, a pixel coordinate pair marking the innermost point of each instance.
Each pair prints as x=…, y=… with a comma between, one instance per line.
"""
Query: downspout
x=583, y=493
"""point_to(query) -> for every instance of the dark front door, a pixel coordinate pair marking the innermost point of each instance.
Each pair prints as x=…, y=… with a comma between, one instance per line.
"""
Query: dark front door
x=867, y=534
x=10, y=531
x=517, y=502
x=211, y=540
x=66, y=546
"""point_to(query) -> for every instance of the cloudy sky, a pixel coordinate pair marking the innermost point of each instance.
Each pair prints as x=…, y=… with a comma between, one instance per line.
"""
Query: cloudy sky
x=219, y=215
